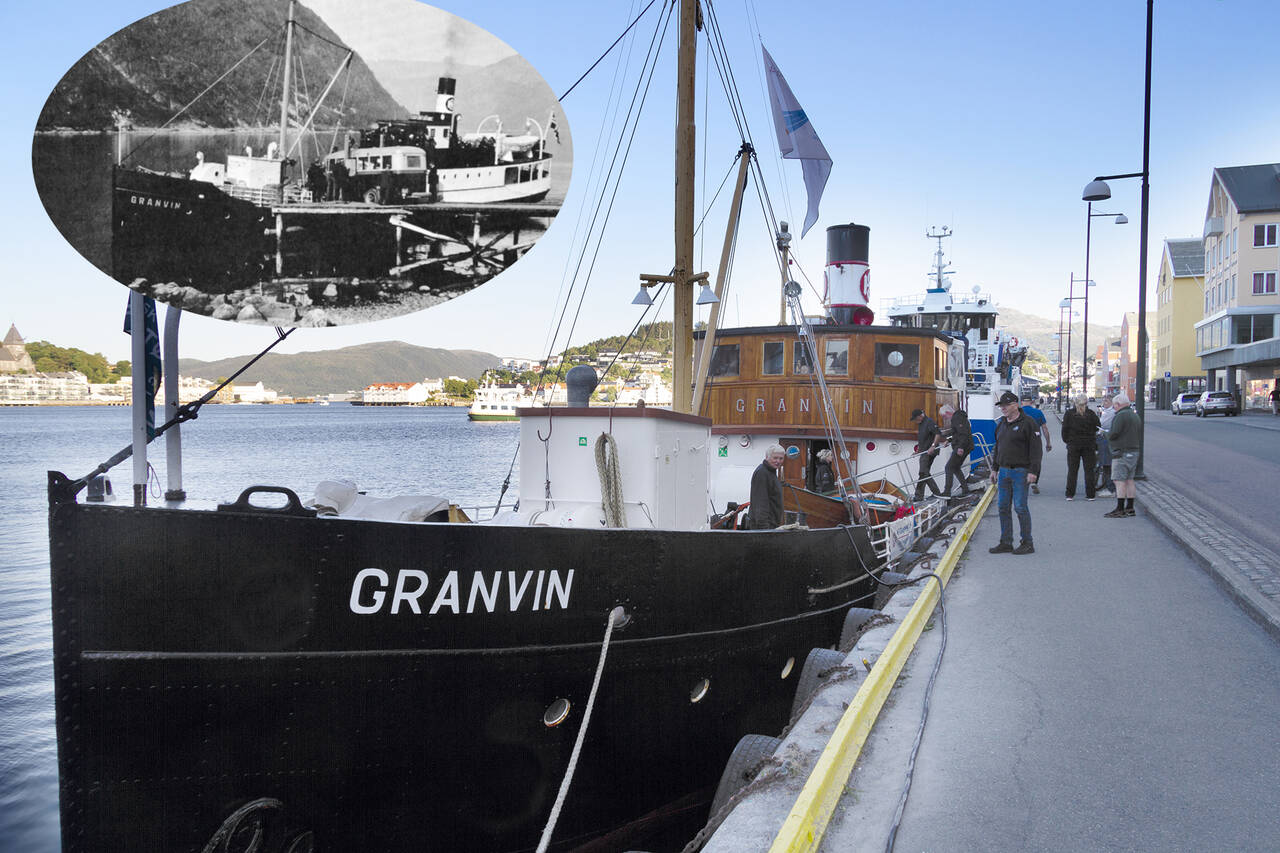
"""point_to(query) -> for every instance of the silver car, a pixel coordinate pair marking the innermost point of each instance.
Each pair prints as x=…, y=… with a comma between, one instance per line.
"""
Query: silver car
x=1216, y=403
x=1185, y=403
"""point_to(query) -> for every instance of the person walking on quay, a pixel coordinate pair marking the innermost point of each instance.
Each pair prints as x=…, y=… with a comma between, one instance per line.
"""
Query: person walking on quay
x=956, y=428
x=1080, y=427
x=928, y=440
x=1042, y=423
x=1275, y=398
x=1124, y=436
x=766, y=491
x=1106, y=415
x=1015, y=465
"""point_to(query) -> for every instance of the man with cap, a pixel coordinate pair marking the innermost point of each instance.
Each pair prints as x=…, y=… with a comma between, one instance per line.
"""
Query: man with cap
x=1014, y=466
x=928, y=440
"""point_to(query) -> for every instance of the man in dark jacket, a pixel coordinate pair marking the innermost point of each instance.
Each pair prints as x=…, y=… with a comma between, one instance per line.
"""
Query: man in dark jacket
x=955, y=424
x=766, y=492
x=1080, y=427
x=928, y=440
x=1015, y=466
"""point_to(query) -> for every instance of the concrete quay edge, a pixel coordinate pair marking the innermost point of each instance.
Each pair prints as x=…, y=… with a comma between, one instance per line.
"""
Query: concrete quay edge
x=789, y=805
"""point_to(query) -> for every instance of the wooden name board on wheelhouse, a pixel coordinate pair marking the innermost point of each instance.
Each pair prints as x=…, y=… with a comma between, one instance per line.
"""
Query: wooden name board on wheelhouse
x=761, y=378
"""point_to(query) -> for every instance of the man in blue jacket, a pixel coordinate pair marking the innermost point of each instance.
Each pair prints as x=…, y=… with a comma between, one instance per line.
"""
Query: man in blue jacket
x=1015, y=466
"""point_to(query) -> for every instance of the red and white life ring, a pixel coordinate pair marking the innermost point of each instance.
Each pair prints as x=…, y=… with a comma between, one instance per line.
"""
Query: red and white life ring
x=1013, y=342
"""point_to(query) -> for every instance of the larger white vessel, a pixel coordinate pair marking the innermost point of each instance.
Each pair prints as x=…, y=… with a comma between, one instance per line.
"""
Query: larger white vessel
x=993, y=356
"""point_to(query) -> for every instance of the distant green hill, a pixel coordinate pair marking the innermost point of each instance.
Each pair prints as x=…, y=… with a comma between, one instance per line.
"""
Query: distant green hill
x=307, y=374
x=1037, y=332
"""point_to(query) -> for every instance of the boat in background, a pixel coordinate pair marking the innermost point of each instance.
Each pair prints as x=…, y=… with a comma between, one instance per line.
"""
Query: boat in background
x=992, y=357
x=425, y=160
x=494, y=402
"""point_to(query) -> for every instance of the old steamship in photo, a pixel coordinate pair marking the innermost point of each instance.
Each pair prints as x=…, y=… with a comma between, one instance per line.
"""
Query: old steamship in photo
x=352, y=208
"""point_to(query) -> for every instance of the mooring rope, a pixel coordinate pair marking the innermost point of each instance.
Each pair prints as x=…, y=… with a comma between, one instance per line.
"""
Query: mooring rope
x=610, y=481
x=614, y=615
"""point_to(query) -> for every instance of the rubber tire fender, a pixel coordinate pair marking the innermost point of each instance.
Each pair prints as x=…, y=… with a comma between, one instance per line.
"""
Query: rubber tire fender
x=812, y=675
x=854, y=621
x=742, y=767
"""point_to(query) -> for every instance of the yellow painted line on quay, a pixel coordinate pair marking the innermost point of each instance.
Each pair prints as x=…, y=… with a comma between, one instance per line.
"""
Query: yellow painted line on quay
x=805, y=825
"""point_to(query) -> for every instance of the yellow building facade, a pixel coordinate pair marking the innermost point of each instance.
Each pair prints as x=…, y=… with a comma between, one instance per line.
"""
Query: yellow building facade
x=1179, y=298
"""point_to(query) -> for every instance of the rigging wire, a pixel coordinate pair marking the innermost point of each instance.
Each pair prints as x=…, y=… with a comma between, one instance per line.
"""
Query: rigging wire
x=608, y=50
x=642, y=95
x=758, y=62
x=192, y=102
x=610, y=117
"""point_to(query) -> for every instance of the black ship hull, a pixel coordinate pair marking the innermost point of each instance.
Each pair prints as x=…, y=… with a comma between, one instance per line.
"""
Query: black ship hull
x=206, y=661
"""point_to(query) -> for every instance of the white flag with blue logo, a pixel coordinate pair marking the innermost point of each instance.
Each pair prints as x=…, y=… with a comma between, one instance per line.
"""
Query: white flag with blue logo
x=797, y=138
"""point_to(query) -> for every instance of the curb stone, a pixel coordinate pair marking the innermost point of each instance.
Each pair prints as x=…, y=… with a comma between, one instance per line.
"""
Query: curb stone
x=1247, y=575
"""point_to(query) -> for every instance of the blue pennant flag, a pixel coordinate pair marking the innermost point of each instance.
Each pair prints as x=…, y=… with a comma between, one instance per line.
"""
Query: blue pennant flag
x=151, y=372
x=797, y=139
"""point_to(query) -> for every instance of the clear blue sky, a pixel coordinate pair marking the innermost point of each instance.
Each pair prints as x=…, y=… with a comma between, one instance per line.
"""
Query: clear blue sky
x=985, y=116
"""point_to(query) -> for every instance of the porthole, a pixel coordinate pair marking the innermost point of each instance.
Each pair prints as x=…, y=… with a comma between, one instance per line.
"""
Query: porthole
x=787, y=667
x=556, y=713
x=700, y=690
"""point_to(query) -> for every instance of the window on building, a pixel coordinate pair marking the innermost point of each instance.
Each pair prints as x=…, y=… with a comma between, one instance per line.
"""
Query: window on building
x=1264, y=235
x=898, y=360
x=724, y=360
x=1233, y=286
x=837, y=361
x=1235, y=232
x=800, y=363
x=1264, y=282
x=773, y=362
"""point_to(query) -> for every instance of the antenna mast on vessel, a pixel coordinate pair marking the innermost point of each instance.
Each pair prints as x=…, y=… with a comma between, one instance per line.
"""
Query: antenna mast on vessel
x=940, y=267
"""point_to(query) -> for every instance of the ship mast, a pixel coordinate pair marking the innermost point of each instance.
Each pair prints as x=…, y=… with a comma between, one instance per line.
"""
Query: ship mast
x=939, y=266
x=288, y=70
x=686, y=135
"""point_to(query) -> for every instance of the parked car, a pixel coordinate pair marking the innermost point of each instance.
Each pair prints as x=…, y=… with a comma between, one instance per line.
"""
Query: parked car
x=1216, y=403
x=1184, y=403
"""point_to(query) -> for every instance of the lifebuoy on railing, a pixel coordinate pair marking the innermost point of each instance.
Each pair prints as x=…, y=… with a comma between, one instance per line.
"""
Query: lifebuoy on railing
x=1013, y=344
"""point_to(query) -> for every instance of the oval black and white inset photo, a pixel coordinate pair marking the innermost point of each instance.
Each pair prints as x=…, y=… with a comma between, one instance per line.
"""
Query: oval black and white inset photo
x=302, y=164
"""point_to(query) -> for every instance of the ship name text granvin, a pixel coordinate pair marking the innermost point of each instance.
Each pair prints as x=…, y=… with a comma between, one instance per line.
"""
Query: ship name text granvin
x=151, y=201
x=779, y=405
x=540, y=590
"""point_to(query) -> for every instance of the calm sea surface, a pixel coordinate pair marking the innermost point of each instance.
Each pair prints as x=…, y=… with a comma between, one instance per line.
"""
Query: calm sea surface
x=387, y=451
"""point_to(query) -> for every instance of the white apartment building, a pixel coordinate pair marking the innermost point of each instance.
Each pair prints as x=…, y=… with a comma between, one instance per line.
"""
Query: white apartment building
x=1238, y=339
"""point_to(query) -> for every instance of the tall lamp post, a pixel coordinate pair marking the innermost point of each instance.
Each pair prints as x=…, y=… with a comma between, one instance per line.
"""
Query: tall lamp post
x=1067, y=307
x=1058, y=400
x=1097, y=190
x=1120, y=219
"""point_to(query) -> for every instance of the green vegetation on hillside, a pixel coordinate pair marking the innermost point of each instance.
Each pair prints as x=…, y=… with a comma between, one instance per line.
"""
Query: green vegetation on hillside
x=55, y=359
x=652, y=337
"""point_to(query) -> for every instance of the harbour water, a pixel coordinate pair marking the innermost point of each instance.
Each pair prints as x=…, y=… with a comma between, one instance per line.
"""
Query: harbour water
x=388, y=451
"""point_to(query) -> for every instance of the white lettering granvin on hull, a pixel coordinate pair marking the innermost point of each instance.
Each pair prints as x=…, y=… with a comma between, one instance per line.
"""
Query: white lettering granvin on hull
x=540, y=590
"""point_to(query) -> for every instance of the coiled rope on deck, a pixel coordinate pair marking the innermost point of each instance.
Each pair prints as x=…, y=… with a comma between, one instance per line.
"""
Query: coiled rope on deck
x=610, y=480
x=615, y=615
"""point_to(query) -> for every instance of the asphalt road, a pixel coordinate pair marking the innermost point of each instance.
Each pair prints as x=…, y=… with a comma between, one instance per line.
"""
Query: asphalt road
x=1229, y=466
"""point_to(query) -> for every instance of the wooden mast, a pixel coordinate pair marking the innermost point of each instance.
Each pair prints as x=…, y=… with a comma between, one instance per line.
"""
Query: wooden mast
x=686, y=137
x=288, y=73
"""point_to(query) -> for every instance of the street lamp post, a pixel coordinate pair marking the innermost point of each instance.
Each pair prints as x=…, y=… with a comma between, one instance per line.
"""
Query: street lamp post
x=1097, y=190
x=1120, y=219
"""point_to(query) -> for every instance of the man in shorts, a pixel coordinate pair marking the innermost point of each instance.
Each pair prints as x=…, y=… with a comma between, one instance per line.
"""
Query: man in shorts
x=1125, y=437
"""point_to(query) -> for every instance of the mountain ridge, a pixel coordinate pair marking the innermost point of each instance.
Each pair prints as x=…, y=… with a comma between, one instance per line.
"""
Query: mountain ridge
x=348, y=369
